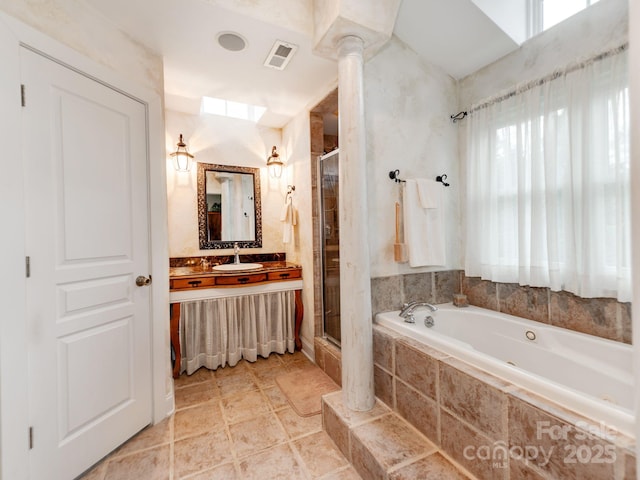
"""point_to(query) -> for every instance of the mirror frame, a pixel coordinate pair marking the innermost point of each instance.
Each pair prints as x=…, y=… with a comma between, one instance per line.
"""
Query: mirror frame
x=206, y=244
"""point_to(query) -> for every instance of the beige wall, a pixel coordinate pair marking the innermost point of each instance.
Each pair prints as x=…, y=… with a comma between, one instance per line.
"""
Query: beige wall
x=296, y=139
x=77, y=25
x=224, y=141
x=407, y=107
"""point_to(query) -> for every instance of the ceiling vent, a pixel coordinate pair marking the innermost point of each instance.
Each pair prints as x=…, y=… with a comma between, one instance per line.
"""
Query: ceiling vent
x=280, y=55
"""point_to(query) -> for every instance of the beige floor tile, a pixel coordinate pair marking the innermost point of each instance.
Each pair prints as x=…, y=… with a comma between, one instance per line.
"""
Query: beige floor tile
x=348, y=473
x=194, y=394
x=275, y=463
x=300, y=365
x=257, y=434
x=319, y=454
x=293, y=357
x=95, y=473
x=199, y=419
x=202, y=452
x=267, y=378
x=151, y=436
x=297, y=426
x=152, y=464
x=273, y=361
x=199, y=376
x=227, y=371
x=277, y=399
x=242, y=381
x=244, y=406
x=223, y=472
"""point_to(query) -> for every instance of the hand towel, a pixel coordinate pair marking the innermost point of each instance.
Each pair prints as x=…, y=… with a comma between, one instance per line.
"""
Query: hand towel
x=424, y=227
x=289, y=217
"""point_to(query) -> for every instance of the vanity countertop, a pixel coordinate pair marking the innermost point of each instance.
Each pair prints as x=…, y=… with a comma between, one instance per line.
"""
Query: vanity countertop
x=198, y=271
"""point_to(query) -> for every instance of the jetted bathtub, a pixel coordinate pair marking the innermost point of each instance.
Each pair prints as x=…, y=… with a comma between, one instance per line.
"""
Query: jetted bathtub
x=587, y=374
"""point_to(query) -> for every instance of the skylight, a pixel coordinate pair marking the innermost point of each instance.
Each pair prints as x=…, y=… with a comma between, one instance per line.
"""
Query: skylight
x=227, y=108
x=523, y=19
x=555, y=11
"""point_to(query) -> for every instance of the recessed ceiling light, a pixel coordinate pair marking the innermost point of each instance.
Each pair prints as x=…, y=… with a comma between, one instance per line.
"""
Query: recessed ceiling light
x=231, y=41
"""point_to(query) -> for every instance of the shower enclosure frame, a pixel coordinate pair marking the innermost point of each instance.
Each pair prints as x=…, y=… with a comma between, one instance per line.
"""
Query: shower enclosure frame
x=329, y=258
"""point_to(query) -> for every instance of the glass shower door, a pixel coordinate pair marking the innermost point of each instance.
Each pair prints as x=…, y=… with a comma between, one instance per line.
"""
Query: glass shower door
x=330, y=245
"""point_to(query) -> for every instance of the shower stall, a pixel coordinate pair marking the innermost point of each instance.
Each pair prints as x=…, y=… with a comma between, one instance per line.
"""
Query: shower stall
x=330, y=235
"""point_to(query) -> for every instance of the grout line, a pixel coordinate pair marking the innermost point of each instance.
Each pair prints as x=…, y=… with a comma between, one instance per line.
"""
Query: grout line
x=172, y=462
x=303, y=465
x=409, y=461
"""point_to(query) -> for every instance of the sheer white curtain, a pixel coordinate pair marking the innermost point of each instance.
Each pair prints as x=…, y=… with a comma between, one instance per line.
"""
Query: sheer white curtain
x=220, y=331
x=548, y=201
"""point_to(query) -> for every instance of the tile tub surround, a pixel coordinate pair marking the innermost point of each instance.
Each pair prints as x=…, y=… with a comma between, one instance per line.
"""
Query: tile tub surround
x=329, y=358
x=389, y=293
x=475, y=418
x=602, y=317
x=381, y=445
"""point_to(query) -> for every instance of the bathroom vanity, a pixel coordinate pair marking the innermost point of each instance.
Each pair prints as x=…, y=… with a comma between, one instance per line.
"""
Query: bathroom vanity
x=194, y=283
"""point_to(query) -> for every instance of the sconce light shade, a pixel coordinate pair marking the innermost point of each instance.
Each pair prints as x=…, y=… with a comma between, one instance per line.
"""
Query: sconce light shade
x=181, y=157
x=274, y=164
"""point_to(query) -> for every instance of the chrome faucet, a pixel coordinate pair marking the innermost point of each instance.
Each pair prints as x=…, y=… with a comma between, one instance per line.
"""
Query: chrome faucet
x=236, y=252
x=408, y=308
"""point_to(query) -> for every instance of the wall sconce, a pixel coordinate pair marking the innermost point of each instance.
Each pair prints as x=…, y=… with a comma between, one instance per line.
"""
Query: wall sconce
x=181, y=157
x=274, y=164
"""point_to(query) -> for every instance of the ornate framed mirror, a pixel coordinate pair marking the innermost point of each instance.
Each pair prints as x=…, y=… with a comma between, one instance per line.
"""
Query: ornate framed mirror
x=229, y=206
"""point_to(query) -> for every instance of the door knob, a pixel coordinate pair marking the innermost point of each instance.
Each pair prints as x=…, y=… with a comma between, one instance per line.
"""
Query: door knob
x=142, y=281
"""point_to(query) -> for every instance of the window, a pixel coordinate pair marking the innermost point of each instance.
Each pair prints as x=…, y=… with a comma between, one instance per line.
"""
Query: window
x=544, y=14
x=548, y=184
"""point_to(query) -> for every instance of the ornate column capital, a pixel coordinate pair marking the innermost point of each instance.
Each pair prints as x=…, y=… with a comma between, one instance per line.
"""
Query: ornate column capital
x=372, y=22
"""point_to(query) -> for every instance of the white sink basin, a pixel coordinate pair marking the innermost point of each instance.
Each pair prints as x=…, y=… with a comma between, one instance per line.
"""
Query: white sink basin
x=232, y=267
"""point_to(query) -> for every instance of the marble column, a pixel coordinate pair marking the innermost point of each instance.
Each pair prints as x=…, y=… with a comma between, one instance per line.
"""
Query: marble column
x=355, y=278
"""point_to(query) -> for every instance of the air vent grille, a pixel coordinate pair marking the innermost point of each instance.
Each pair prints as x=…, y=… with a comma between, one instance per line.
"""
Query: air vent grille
x=280, y=55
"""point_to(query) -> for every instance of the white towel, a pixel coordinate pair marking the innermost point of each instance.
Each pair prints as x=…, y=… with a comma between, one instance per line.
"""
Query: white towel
x=289, y=217
x=424, y=228
x=428, y=194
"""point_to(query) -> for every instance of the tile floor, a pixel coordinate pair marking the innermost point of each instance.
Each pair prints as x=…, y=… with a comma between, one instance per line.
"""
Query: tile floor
x=233, y=423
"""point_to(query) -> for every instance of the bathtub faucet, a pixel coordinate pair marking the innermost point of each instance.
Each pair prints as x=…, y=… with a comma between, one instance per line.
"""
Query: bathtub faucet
x=408, y=308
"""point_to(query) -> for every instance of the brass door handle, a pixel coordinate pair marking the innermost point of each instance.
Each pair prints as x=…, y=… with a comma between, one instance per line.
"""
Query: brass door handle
x=143, y=281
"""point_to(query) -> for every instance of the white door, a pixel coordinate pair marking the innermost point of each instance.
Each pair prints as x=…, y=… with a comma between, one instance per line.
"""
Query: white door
x=89, y=360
